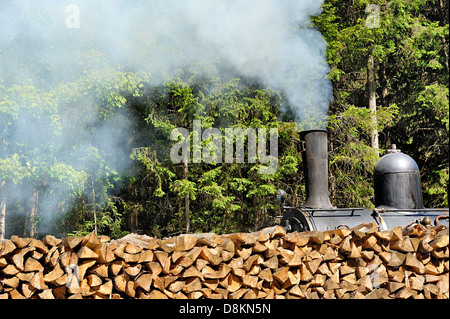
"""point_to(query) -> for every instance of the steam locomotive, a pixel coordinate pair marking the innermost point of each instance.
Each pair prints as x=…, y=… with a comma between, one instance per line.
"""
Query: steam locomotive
x=398, y=193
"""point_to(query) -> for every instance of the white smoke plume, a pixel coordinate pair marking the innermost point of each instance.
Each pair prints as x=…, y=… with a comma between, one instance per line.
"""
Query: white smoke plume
x=270, y=40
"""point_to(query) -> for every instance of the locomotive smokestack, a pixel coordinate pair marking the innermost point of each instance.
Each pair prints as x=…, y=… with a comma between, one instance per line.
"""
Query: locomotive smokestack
x=315, y=161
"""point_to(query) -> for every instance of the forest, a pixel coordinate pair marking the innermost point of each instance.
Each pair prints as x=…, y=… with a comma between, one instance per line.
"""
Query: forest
x=85, y=136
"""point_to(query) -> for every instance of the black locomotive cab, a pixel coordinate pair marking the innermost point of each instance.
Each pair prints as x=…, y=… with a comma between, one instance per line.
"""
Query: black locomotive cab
x=398, y=194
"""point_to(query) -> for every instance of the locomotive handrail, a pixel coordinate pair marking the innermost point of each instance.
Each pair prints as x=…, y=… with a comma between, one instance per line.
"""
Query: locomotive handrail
x=412, y=210
x=436, y=221
x=311, y=211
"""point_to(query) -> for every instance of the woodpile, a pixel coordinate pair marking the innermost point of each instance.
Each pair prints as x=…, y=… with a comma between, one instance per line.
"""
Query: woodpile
x=358, y=263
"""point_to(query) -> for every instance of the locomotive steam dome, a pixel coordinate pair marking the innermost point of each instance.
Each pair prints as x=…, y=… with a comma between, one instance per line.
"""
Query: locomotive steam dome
x=397, y=181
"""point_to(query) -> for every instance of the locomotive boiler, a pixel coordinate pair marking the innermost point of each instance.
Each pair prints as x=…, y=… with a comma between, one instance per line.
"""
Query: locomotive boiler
x=398, y=194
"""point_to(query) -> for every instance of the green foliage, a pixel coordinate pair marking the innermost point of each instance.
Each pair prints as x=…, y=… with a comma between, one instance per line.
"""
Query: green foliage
x=12, y=169
x=410, y=47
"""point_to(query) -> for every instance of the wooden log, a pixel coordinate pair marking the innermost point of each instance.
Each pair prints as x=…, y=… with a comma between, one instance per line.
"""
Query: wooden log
x=211, y=255
x=250, y=240
x=24, y=277
x=38, y=281
x=32, y=265
x=154, y=267
x=275, y=232
x=85, y=289
x=91, y=241
x=93, y=280
x=14, y=294
x=313, y=265
x=294, y=277
x=351, y=278
x=416, y=282
x=105, y=253
x=68, y=258
x=402, y=244
x=296, y=291
x=266, y=275
x=6, y=247
x=176, y=286
x=192, y=285
x=115, y=267
x=12, y=282
x=3, y=262
x=331, y=284
x=56, y=273
x=120, y=282
x=346, y=245
x=441, y=239
x=164, y=261
x=72, y=242
x=396, y=259
x=271, y=263
x=281, y=275
x=46, y=294
x=414, y=263
x=144, y=281
x=51, y=241
x=100, y=270
x=106, y=288
x=342, y=232
x=175, y=269
x=305, y=273
x=20, y=242
x=237, y=237
x=405, y=293
x=243, y=252
x=192, y=272
x=156, y=294
x=262, y=236
x=130, y=289
x=226, y=255
x=238, y=294
x=52, y=257
x=380, y=293
x=133, y=271
x=233, y=283
x=18, y=256
x=38, y=245
x=254, y=259
x=315, y=237
x=364, y=230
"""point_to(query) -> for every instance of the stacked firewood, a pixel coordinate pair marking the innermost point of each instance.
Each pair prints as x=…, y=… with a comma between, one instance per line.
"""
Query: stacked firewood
x=358, y=263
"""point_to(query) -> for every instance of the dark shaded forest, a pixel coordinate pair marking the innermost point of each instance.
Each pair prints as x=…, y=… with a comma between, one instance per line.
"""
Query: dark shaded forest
x=91, y=150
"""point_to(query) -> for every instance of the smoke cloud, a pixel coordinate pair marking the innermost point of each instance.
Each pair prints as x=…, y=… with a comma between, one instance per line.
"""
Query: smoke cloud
x=50, y=42
x=270, y=40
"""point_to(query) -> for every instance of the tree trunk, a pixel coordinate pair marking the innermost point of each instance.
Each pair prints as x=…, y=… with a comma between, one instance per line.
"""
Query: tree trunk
x=2, y=209
x=3, y=192
x=34, y=213
x=186, y=199
x=444, y=21
x=260, y=214
x=93, y=206
x=372, y=101
x=385, y=103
